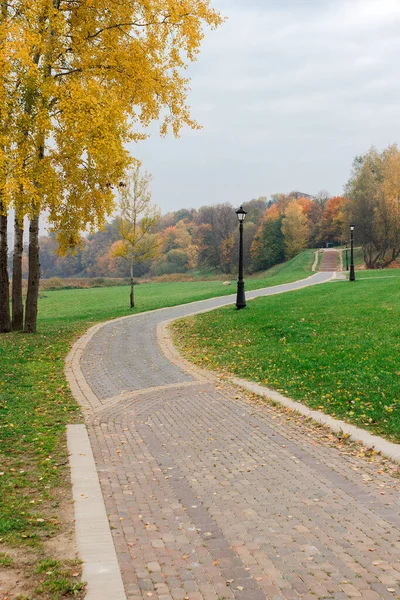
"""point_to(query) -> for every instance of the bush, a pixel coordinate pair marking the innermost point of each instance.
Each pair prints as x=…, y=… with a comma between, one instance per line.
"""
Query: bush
x=57, y=283
x=54, y=283
x=179, y=258
x=166, y=268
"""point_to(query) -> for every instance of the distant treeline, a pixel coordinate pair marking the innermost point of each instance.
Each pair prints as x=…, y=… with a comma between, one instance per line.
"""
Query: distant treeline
x=275, y=230
x=206, y=239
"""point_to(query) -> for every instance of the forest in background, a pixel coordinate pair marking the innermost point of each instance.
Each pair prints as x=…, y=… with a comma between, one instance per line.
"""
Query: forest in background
x=205, y=240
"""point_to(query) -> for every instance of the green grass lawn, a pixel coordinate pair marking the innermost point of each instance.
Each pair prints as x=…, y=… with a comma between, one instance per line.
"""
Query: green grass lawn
x=85, y=306
x=35, y=401
x=334, y=347
x=358, y=257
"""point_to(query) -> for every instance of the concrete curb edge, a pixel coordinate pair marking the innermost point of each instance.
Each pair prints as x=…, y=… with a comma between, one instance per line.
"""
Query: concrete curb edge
x=388, y=449
x=92, y=532
x=85, y=531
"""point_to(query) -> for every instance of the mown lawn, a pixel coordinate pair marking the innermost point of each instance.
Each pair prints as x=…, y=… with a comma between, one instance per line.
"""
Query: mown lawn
x=334, y=347
x=36, y=404
x=82, y=307
x=358, y=257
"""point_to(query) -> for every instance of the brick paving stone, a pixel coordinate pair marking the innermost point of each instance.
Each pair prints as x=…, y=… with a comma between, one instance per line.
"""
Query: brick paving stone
x=330, y=260
x=213, y=494
x=123, y=356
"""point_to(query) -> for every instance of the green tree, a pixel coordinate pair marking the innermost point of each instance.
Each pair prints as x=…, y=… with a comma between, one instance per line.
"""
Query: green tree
x=268, y=248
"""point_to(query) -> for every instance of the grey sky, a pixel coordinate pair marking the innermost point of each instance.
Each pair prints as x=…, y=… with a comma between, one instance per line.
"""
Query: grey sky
x=287, y=92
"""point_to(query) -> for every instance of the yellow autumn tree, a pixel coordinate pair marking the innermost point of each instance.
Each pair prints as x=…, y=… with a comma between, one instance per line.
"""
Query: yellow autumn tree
x=374, y=207
x=92, y=76
x=295, y=229
x=227, y=248
x=387, y=216
x=5, y=322
x=137, y=223
x=11, y=102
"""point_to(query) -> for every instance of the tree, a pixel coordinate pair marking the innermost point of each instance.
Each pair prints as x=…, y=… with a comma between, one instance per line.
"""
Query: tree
x=91, y=76
x=280, y=202
x=332, y=220
x=295, y=229
x=374, y=207
x=137, y=223
x=268, y=248
x=255, y=209
x=321, y=197
x=216, y=226
x=5, y=319
x=17, y=302
x=226, y=251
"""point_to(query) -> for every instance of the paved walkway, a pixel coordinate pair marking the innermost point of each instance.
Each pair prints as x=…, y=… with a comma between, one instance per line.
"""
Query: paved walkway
x=213, y=495
x=330, y=260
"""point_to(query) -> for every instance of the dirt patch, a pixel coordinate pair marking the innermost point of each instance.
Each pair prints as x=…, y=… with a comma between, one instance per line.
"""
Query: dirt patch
x=13, y=583
x=63, y=545
x=394, y=265
x=20, y=576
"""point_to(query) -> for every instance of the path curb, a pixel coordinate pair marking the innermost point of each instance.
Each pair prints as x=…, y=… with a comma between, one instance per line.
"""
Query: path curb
x=369, y=440
x=377, y=443
x=93, y=536
x=315, y=263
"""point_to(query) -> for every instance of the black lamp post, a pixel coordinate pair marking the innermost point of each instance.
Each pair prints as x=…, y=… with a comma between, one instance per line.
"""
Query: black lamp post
x=240, y=298
x=347, y=257
x=352, y=273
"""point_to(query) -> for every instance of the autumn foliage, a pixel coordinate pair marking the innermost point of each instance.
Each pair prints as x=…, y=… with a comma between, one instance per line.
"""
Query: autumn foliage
x=374, y=190
x=78, y=81
x=137, y=241
x=203, y=240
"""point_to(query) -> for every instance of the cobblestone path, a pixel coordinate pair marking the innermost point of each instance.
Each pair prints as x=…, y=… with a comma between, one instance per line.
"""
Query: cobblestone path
x=212, y=494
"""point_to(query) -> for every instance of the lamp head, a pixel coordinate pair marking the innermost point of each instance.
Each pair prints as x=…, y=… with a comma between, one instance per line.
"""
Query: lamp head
x=351, y=227
x=241, y=214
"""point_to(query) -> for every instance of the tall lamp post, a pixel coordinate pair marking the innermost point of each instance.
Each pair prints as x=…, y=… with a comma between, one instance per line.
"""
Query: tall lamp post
x=352, y=273
x=347, y=257
x=240, y=298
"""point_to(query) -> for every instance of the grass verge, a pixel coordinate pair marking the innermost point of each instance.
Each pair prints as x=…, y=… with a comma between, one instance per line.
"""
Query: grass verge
x=36, y=405
x=333, y=347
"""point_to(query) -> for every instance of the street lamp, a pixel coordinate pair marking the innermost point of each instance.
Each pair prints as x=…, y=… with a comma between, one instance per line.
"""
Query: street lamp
x=347, y=257
x=240, y=298
x=352, y=273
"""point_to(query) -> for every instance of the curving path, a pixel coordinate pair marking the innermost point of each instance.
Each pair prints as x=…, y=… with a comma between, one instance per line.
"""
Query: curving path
x=214, y=495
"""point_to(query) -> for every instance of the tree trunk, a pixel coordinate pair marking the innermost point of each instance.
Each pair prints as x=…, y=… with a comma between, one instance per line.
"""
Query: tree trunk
x=5, y=321
x=31, y=306
x=132, y=294
x=16, y=296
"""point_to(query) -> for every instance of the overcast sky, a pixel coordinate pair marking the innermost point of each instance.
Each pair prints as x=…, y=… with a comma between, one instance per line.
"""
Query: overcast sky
x=287, y=92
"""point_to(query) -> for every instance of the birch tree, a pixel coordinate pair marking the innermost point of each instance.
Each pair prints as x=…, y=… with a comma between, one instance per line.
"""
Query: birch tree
x=137, y=224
